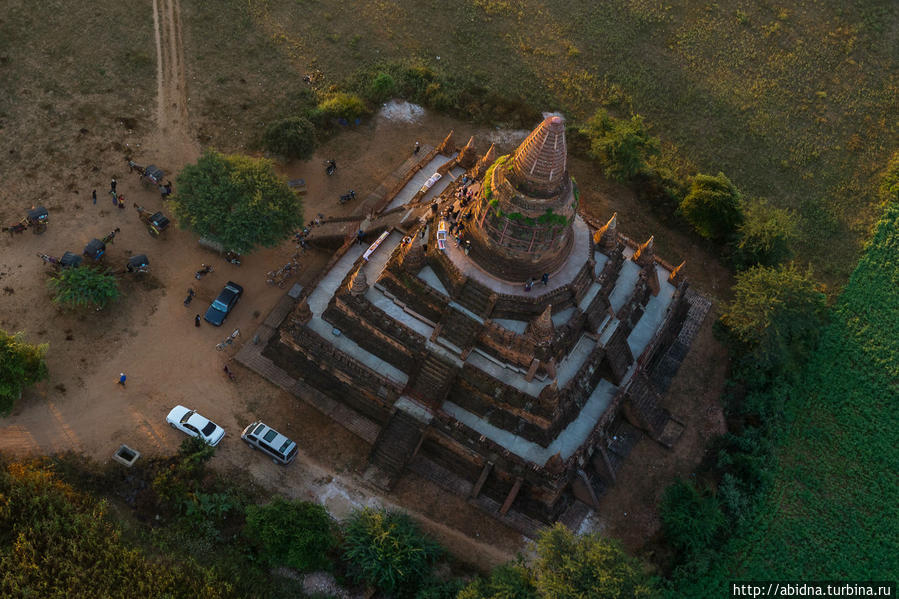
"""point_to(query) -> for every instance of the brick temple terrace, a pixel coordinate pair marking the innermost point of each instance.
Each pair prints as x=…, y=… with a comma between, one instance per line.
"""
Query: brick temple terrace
x=485, y=335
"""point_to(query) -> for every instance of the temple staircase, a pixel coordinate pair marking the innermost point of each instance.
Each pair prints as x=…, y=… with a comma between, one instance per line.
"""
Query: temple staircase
x=433, y=379
x=476, y=298
x=394, y=447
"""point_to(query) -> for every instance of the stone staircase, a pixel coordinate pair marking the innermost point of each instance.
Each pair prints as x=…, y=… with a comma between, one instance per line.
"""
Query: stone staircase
x=433, y=379
x=476, y=298
x=395, y=445
x=643, y=408
x=459, y=329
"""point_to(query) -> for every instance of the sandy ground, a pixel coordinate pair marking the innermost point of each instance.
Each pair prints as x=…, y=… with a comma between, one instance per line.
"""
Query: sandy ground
x=149, y=334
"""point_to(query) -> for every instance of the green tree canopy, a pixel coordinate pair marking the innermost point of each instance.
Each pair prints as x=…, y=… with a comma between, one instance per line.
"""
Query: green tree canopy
x=21, y=364
x=236, y=200
x=776, y=315
x=622, y=146
x=691, y=520
x=765, y=236
x=297, y=534
x=341, y=105
x=84, y=287
x=712, y=206
x=509, y=581
x=889, y=184
x=387, y=550
x=57, y=543
x=570, y=566
x=291, y=137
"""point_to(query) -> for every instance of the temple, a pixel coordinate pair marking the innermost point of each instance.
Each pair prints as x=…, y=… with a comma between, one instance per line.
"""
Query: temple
x=486, y=335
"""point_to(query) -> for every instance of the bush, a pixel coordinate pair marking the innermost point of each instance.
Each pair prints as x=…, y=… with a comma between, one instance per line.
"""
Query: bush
x=341, y=105
x=889, y=184
x=84, y=287
x=382, y=88
x=712, y=206
x=765, y=236
x=21, y=364
x=387, y=550
x=296, y=534
x=691, y=520
x=292, y=137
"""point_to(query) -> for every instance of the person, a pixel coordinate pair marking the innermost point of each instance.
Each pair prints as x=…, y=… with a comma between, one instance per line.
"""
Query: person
x=529, y=284
x=112, y=185
x=94, y=196
x=331, y=167
x=545, y=278
x=422, y=234
x=467, y=246
x=359, y=237
x=120, y=202
x=197, y=321
x=122, y=378
x=417, y=148
x=228, y=372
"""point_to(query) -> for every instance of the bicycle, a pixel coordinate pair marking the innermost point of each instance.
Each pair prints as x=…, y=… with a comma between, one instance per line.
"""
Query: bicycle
x=228, y=340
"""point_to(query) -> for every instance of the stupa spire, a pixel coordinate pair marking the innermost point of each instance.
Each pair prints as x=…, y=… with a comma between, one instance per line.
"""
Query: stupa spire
x=540, y=163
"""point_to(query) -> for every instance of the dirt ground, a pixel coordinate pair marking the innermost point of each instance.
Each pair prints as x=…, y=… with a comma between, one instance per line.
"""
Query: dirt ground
x=149, y=334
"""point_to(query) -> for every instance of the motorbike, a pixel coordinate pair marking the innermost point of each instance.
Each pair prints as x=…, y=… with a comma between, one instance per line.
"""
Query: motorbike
x=330, y=167
x=347, y=197
x=206, y=269
x=190, y=297
x=232, y=258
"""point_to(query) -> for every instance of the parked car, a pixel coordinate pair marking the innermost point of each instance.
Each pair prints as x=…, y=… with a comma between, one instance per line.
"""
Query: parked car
x=189, y=422
x=223, y=304
x=266, y=439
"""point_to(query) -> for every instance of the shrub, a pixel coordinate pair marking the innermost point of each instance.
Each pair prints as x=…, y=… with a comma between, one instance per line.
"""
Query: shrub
x=21, y=364
x=292, y=137
x=84, y=287
x=297, y=534
x=889, y=184
x=765, y=235
x=712, y=206
x=691, y=519
x=342, y=105
x=387, y=550
x=382, y=88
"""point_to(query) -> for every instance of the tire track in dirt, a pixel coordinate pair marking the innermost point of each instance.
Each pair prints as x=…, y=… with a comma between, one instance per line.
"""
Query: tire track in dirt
x=172, y=117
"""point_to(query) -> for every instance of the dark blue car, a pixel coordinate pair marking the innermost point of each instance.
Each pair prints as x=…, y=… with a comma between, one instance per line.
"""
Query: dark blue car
x=223, y=304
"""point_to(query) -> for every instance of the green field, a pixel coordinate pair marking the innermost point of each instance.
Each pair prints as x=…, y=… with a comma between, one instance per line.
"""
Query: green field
x=833, y=512
x=795, y=101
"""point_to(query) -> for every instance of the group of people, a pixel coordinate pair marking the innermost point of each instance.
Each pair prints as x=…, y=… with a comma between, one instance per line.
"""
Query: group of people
x=529, y=284
x=301, y=237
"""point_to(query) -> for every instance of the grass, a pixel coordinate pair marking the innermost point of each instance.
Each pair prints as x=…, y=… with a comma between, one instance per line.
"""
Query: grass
x=794, y=103
x=833, y=513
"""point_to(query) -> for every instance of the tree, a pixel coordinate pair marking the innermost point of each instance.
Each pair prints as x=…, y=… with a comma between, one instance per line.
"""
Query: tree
x=56, y=542
x=622, y=146
x=236, y=200
x=775, y=316
x=691, y=520
x=21, y=364
x=765, y=235
x=292, y=137
x=297, y=534
x=569, y=566
x=509, y=581
x=387, y=550
x=341, y=105
x=712, y=206
x=84, y=287
x=889, y=184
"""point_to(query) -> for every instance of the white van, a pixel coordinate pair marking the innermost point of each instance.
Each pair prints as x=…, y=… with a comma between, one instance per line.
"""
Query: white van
x=266, y=439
